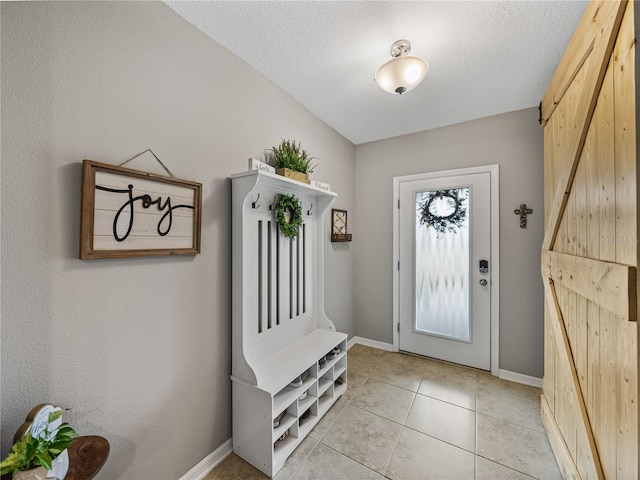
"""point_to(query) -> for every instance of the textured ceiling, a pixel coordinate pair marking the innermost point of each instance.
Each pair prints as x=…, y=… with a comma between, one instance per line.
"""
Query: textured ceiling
x=485, y=57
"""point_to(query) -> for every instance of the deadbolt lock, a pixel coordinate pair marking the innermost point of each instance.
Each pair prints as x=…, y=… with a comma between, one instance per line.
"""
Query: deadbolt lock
x=484, y=266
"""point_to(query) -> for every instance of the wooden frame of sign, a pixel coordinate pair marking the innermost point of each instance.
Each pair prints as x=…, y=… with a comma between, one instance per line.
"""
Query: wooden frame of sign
x=129, y=213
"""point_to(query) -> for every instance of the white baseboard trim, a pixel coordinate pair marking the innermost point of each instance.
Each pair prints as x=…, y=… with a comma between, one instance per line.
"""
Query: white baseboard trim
x=207, y=464
x=369, y=343
x=520, y=378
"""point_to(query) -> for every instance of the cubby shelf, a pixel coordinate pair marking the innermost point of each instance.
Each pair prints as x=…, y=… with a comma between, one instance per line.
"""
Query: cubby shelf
x=279, y=330
x=284, y=425
x=307, y=402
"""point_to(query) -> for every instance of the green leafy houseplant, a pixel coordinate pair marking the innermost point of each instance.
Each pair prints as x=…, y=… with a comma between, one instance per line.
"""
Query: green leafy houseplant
x=290, y=154
x=289, y=215
x=31, y=452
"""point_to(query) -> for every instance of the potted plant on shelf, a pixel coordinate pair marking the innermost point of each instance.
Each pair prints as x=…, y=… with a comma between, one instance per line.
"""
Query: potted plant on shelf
x=41, y=451
x=291, y=161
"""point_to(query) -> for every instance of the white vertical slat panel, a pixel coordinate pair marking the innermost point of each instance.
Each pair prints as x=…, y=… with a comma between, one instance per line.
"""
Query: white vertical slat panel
x=277, y=274
x=262, y=277
x=305, y=268
x=292, y=277
x=284, y=278
x=309, y=256
x=271, y=275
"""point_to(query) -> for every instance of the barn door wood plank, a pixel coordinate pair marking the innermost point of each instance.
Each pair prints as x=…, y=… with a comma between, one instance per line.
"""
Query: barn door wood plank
x=567, y=466
x=597, y=67
x=549, y=179
x=606, y=440
x=626, y=240
x=605, y=156
x=609, y=284
x=579, y=191
x=626, y=233
x=579, y=48
x=593, y=367
x=592, y=459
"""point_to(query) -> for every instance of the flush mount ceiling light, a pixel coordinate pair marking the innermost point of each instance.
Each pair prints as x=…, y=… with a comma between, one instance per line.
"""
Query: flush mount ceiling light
x=403, y=72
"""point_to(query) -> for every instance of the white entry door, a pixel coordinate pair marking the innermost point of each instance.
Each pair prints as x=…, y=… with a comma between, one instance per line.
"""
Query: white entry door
x=445, y=266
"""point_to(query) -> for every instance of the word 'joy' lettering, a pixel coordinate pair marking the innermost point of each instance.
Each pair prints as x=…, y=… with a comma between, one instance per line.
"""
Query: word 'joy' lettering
x=164, y=225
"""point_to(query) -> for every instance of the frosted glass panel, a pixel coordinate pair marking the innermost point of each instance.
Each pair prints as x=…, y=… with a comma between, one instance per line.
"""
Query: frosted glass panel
x=442, y=263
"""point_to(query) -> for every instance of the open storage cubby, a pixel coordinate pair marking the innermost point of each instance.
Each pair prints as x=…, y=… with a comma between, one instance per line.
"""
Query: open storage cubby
x=280, y=331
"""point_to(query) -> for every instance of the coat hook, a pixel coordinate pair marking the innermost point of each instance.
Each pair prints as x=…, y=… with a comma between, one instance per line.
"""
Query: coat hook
x=309, y=211
x=253, y=204
x=273, y=203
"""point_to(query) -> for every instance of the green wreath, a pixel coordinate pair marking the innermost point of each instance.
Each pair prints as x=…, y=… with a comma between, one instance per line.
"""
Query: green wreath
x=289, y=215
x=442, y=224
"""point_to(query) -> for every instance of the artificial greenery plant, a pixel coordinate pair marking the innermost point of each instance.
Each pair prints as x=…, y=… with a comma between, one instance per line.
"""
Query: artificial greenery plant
x=290, y=154
x=289, y=215
x=31, y=452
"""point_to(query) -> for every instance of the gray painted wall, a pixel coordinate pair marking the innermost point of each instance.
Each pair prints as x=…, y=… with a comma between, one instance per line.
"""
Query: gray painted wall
x=513, y=140
x=140, y=349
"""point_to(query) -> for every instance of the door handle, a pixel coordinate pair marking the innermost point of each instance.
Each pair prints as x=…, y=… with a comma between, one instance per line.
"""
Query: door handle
x=483, y=282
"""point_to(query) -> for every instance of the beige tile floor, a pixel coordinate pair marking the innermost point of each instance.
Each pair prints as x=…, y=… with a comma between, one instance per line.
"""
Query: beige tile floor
x=411, y=418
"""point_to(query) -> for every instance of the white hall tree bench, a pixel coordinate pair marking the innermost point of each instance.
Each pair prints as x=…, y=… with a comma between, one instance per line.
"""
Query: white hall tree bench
x=289, y=365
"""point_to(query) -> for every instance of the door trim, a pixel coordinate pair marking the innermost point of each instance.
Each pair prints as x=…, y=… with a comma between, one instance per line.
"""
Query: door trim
x=494, y=171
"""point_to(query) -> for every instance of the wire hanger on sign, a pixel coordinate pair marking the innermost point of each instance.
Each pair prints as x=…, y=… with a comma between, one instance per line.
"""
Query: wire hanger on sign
x=154, y=156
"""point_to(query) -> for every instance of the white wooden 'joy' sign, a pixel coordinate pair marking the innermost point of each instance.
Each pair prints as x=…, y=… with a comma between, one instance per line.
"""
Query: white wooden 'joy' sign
x=129, y=213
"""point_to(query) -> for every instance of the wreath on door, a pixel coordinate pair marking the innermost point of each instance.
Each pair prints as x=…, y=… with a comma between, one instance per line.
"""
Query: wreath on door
x=289, y=215
x=430, y=206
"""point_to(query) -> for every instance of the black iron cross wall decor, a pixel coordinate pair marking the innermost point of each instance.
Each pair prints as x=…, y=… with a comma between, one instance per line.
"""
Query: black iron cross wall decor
x=523, y=211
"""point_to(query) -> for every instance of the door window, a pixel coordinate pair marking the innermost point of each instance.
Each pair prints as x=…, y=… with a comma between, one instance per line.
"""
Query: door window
x=442, y=263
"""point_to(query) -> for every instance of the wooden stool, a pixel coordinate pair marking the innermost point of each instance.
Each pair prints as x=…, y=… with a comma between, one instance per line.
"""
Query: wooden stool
x=87, y=455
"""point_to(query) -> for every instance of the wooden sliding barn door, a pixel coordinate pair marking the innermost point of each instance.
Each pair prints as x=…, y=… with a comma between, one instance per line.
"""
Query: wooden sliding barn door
x=590, y=250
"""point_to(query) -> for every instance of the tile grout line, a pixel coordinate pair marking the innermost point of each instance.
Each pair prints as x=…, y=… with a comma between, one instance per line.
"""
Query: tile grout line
x=442, y=441
x=513, y=423
x=507, y=466
x=352, y=459
x=475, y=453
x=393, y=451
x=302, y=462
x=395, y=445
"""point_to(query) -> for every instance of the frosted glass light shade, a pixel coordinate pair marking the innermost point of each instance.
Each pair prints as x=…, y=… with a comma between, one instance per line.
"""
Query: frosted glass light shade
x=402, y=74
